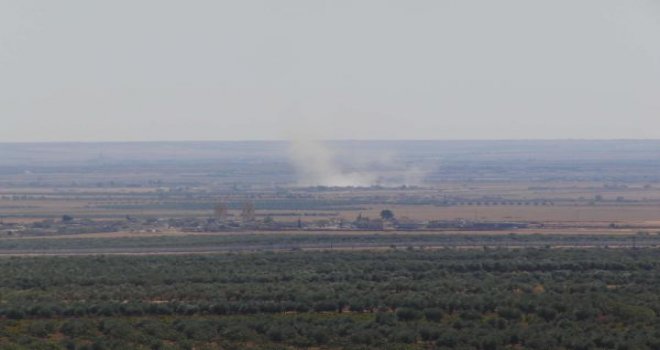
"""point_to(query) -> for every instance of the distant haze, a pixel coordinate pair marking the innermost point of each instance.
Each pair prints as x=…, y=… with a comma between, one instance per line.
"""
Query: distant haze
x=262, y=70
x=353, y=164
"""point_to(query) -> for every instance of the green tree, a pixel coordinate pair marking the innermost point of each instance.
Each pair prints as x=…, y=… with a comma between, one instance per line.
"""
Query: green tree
x=387, y=214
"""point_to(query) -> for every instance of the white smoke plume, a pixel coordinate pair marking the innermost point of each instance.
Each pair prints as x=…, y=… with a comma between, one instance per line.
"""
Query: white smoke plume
x=319, y=164
x=316, y=165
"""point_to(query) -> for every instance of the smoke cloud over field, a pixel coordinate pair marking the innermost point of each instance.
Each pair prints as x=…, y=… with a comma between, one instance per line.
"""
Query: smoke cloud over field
x=320, y=163
x=316, y=165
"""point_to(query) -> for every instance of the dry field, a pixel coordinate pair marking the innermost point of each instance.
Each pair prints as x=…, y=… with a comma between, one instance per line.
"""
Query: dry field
x=624, y=215
x=638, y=208
x=562, y=185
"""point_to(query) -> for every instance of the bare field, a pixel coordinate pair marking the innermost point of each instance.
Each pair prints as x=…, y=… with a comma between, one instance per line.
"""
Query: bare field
x=320, y=241
x=554, y=187
x=547, y=231
x=633, y=215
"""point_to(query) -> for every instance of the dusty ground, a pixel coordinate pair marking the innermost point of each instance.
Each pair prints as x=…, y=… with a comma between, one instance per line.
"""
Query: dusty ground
x=553, y=231
x=624, y=214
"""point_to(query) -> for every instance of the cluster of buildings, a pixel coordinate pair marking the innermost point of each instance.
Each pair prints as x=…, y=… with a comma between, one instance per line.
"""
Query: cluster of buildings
x=69, y=225
x=62, y=227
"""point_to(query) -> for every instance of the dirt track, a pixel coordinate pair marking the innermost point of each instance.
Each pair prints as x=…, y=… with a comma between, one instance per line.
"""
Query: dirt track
x=554, y=230
x=471, y=243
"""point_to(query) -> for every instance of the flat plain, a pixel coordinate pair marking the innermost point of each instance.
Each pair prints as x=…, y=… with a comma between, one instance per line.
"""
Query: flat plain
x=221, y=245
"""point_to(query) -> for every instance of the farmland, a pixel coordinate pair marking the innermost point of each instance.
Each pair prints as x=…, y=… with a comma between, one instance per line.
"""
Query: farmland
x=145, y=187
x=414, y=299
x=456, y=245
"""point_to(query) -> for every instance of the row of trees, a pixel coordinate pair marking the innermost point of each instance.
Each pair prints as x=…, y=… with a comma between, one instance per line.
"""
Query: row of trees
x=484, y=299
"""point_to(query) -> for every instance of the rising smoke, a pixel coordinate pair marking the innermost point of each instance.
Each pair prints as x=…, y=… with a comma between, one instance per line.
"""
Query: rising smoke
x=320, y=164
x=316, y=165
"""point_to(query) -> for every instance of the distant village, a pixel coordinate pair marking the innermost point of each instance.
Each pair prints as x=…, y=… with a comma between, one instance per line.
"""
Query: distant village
x=247, y=220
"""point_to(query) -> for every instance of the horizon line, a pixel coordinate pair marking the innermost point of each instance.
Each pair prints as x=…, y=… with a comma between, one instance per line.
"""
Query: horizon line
x=329, y=140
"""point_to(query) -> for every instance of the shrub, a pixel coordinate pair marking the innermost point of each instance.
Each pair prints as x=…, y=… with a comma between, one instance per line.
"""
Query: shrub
x=407, y=314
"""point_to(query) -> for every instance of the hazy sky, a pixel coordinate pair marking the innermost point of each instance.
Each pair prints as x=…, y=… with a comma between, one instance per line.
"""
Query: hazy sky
x=226, y=70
